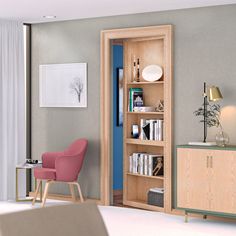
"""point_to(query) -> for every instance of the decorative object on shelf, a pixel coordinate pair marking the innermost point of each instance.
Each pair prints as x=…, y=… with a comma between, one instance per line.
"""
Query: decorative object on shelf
x=134, y=70
x=120, y=91
x=156, y=197
x=160, y=106
x=63, y=85
x=30, y=161
x=210, y=113
x=138, y=71
x=222, y=139
x=158, y=170
x=135, y=131
x=152, y=73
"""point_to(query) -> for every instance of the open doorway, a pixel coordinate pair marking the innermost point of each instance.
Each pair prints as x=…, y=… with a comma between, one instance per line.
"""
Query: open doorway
x=117, y=106
x=136, y=186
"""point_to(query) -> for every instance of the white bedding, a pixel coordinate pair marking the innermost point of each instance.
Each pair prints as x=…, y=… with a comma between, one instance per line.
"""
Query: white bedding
x=134, y=222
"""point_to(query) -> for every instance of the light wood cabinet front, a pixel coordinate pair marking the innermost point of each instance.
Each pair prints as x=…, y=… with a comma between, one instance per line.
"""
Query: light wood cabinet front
x=223, y=181
x=193, y=183
x=206, y=180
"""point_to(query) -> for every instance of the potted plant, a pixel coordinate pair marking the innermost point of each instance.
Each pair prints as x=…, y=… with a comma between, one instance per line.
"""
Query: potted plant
x=212, y=117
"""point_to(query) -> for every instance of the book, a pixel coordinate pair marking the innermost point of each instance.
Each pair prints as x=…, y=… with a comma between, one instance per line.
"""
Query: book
x=142, y=134
x=141, y=163
x=146, y=130
x=135, y=98
x=130, y=164
x=156, y=131
x=160, y=130
x=152, y=129
x=152, y=133
x=134, y=163
x=145, y=164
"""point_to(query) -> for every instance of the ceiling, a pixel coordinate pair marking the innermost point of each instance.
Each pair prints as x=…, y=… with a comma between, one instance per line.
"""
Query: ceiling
x=32, y=11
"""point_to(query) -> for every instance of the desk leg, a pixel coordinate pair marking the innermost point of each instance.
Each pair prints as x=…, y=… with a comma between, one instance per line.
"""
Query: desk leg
x=35, y=184
x=41, y=191
x=28, y=182
x=17, y=197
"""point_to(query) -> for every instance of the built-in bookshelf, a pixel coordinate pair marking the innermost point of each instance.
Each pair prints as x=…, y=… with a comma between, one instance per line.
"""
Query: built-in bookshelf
x=150, y=51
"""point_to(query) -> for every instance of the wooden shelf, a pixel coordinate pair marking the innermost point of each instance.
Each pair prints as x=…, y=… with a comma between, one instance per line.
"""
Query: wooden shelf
x=142, y=204
x=145, y=113
x=155, y=51
x=145, y=142
x=145, y=83
x=146, y=176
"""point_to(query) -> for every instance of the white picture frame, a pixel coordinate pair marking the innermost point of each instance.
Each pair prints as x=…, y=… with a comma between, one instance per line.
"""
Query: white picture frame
x=63, y=85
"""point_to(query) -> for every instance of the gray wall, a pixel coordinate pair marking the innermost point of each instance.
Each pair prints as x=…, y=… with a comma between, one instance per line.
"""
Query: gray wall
x=204, y=50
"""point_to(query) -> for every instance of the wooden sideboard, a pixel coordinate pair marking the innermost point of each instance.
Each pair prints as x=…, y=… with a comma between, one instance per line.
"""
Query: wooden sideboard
x=206, y=180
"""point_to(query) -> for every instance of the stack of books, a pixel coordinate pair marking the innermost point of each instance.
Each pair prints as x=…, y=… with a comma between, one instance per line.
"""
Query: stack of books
x=135, y=98
x=146, y=164
x=152, y=129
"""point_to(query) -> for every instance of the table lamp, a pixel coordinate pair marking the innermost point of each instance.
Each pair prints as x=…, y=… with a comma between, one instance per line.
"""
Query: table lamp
x=214, y=95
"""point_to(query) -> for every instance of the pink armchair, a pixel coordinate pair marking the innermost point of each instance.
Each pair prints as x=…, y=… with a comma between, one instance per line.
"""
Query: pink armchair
x=62, y=167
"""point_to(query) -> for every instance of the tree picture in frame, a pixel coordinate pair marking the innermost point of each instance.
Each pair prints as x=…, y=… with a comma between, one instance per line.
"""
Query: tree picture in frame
x=63, y=85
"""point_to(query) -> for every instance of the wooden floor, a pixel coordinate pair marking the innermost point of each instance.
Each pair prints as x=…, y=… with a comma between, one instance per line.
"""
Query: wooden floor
x=118, y=198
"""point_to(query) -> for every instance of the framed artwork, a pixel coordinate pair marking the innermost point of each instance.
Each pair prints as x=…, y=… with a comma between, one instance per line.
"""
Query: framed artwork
x=120, y=73
x=63, y=85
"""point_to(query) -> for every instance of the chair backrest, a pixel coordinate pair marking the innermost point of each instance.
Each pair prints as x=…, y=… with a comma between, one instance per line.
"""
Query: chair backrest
x=70, y=171
x=78, y=148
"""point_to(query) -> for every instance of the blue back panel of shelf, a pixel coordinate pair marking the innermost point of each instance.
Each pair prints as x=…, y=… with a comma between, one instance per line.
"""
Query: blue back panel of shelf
x=117, y=130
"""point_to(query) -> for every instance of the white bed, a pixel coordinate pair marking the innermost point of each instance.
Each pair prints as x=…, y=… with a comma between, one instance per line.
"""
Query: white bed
x=134, y=222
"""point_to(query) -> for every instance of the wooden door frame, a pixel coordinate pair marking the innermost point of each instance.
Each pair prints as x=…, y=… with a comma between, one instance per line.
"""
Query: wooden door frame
x=105, y=97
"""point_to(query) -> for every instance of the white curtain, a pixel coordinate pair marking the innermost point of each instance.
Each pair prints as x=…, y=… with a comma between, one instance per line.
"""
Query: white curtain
x=12, y=105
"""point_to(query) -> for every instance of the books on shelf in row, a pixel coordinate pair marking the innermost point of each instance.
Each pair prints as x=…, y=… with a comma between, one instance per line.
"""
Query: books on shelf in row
x=152, y=129
x=146, y=164
x=135, y=98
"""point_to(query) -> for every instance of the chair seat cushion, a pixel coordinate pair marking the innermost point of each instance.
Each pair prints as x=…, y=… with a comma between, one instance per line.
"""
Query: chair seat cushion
x=45, y=173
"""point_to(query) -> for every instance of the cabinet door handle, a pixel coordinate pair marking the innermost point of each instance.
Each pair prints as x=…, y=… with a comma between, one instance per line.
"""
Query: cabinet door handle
x=211, y=162
x=207, y=161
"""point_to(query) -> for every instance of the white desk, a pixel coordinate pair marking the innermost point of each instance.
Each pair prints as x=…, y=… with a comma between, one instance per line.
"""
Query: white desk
x=26, y=167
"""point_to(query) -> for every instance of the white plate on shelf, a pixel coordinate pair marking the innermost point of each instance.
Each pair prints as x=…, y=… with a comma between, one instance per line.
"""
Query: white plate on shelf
x=152, y=73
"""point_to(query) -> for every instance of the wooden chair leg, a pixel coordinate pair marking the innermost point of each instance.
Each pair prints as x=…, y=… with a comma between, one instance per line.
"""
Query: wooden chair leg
x=72, y=191
x=80, y=193
x=45, y=192
x=36, y=191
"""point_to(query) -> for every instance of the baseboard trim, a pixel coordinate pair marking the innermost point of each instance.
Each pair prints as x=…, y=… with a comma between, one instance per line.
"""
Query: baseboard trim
x=62, y=197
